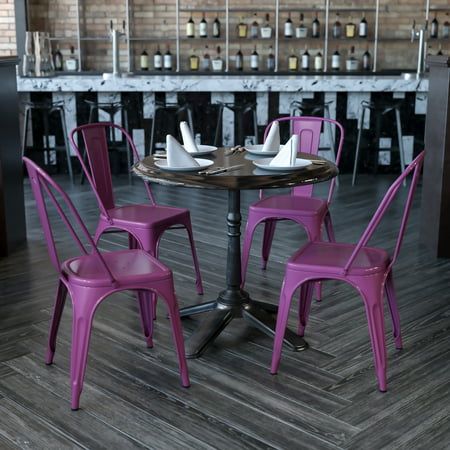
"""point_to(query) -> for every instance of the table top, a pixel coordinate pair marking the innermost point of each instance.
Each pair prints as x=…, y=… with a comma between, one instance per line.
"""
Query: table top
x=246, y=177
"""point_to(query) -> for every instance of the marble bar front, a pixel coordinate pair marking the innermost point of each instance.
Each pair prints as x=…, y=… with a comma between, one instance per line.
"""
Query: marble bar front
x=350, y=90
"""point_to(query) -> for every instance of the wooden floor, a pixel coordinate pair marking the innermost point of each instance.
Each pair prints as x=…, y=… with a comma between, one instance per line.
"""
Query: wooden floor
x=323, y=398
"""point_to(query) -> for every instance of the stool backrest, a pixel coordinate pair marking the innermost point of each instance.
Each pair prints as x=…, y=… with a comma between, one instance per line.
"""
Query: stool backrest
x=44, y=187
x=309, y=128
x=97, y=168
x=414, y=168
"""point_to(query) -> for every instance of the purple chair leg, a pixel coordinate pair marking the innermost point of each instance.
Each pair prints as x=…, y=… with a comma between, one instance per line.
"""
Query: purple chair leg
x=269, y=231
x=306, y=294
x=373, y=302
x=392, y=303
x=198, y=279
x=146, y=303
x=60, y=300
x=248, y=237
x=329, y=227
x=83, y=314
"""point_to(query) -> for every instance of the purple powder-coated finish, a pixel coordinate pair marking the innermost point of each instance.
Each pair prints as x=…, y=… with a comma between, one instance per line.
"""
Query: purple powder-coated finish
x=367, y=269
x=299, y=206
x=93, y=276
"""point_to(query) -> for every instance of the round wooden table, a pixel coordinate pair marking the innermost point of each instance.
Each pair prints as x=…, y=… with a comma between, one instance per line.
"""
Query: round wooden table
x=234, y=302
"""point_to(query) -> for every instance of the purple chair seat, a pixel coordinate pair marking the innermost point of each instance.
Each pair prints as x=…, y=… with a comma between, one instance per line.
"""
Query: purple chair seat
x=331, y=258
x=290, y=205
x=127, y=266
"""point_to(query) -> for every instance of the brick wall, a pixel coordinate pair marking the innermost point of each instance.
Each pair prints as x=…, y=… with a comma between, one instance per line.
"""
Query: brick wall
x=7, y=28
x=155, y=19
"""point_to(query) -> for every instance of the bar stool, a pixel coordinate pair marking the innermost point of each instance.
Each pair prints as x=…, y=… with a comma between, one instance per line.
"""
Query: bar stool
x=111, y=109
x=299, y=108
x=379, y=109
x=181, y=112
x=240, y=111
x=46, y=109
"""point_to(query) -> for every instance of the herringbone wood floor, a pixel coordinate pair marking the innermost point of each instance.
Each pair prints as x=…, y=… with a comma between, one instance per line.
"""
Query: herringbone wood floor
x=323, y=398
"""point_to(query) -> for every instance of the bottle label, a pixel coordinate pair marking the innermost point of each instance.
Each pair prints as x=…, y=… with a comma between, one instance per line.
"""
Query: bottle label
x=239, y=62
x=217, y=65
x=362, y=29
x=305, y=62
x=144, y=62
x=335, y=62
x=266, y=32
x=190, y=32
x=270, y=63
x=366, y=62
x=254, y=62
x=167, y=61
x=301, y=32
x=288, y=31
x=205, y=63
x=318, y=63
x=203, y=29
x=293, y=63
x=216, y=29
x=157, y=61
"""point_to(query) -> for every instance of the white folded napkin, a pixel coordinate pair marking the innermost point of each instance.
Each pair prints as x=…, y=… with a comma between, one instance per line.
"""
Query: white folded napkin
x=177, y=156
x=272, y=142
x=288, y=153
x=188, y=138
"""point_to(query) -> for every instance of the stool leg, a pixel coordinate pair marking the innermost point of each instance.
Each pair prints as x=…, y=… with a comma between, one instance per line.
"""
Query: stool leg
x=400, y=141
x=66, y=142
x=25, y=131
x=129, y=156
x=255, y=125
x=358, y=144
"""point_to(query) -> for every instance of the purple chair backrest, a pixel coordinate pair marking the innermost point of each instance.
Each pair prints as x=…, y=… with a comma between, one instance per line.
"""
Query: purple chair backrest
x=44, y=187
x=98, y=171
x=414, y=168
x=308, y=128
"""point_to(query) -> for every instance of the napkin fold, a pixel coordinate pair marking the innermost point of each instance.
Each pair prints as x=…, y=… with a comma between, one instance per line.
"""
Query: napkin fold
x=272, y=142
x=288, y=153
x=188, y=138
x=177, y=156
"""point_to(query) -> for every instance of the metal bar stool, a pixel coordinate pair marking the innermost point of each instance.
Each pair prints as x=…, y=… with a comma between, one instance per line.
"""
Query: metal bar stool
x=239, y=110
x=111, y=109
x=379, y=110
x=161, y=109
x=46, y=109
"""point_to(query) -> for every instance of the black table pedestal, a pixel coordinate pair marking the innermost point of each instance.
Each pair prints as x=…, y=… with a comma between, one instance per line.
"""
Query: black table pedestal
x=233, y=302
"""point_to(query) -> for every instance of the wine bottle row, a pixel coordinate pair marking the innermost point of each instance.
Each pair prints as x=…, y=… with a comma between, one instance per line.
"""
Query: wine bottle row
x=255, y=29
x=304, y=61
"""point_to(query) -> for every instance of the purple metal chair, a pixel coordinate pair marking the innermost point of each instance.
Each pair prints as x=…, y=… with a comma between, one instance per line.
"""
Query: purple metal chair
x=92, y=277
x=368, y=269
x=145, y=224
x=299, y=206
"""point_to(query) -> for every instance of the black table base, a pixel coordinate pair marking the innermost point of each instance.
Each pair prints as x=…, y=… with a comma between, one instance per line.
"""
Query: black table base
x=233, y=302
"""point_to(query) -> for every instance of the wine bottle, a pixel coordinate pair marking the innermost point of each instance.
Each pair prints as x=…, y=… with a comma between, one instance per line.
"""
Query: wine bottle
x=254, y=27
x=367, y=60
x=206, y=60
x=239, y=64
x=288, y=27
x=362, y=30
x=316, y=27
x=266, y=30
x=254, y=60
x=305, y=59
x=301, y=31
x=190, y=28
x=216, y=27
x=194, y=62
x=337, y=28
x=336, y=60
x=434, y=28
x=446, y=27
x=242, y=29
x=440, y=53
x=270, y=63
x=144, y=60
x=350, y=29
x=157, y=60
x=58, y=59
x=203, y=27
x=168, y=59
x=318, y=62
x=293, y=62
x=351, y=64
x=217, y=62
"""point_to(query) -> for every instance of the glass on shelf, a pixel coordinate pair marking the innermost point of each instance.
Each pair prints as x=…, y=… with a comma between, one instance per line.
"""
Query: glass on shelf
x=293, y=62
x=337, y=28
x=254, y=27
x=217, y=62
x=216, y=27
x=315, y=28
x=190, y=28
x=318, y=62
x=301, y=31
x=266, y=30
x=434, y=29
x=194, y=62
x=305, y=59
x=350, y=29
x=206, y=60
x=242, y=29
x=362, y=29
x=288, y=27
x=367, y=60
x=203, y=27
x=157, y=59
x=270, y=62
x=254, y=60
x=239, y=61
x=143, y=60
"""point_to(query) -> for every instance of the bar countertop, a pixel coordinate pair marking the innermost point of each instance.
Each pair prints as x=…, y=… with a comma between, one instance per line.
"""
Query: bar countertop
x=224, y=83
